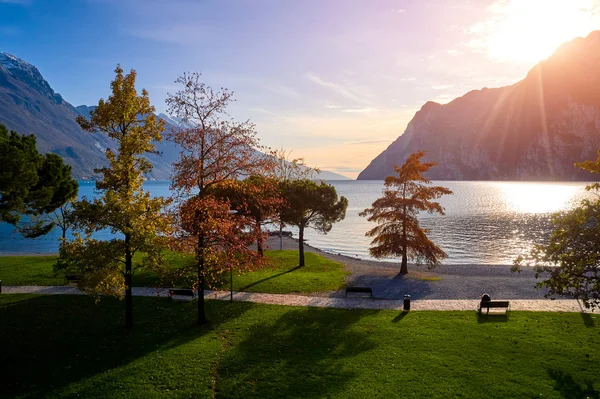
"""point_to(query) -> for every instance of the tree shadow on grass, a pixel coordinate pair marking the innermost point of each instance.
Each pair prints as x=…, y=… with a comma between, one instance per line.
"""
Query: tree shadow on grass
x=267, y=278
x=300, y=354
x=393, y=287
x=569, y=388
x=588, y=319
x=51, y=342
x=491, y=317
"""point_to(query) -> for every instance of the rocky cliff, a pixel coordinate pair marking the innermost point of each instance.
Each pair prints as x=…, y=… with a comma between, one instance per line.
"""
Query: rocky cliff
x=29, y=105
x=535, y=129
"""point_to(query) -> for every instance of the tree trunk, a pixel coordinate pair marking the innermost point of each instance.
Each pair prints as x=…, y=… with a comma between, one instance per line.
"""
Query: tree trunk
x=128, y=293
x=259, y=239
x=201, y=310
x=404, y=266
x=301, y=245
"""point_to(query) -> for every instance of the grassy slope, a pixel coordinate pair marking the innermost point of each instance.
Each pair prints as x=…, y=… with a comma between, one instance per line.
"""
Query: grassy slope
x=64, y=346
x=319, y=274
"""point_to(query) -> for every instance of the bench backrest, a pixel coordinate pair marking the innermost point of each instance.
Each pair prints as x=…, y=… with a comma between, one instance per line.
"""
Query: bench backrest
x=495, y=304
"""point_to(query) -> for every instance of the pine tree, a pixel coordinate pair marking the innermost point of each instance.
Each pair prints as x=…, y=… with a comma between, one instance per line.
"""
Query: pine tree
x=311, y=204
x=399, y=232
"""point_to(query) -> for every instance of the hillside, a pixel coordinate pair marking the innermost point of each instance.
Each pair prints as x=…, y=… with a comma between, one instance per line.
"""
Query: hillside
x=29, y=105
x=535, y=129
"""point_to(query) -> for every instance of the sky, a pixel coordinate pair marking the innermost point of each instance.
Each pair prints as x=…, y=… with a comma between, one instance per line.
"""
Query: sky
x=335, y=81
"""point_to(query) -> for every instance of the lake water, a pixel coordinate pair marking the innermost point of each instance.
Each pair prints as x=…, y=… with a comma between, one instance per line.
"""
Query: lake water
x=485, y=222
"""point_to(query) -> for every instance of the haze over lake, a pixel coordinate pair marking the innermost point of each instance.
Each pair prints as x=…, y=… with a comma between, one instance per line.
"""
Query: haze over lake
x=486, y=222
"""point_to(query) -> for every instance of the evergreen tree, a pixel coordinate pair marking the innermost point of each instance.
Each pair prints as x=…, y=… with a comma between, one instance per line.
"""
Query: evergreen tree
x=31, y=183
x=399, y=232
x=311, y=204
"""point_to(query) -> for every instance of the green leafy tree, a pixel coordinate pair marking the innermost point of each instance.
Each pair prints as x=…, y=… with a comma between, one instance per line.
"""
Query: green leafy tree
x=286, y=168
x=124, y=207
x=398, y=232
x=311, y=204
x=31, y=183
x=257, y=198
x=571, y=256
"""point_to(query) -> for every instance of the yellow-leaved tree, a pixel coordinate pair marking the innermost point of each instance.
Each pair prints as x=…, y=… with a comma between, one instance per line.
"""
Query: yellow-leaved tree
x=399, y=232
x=137, y=220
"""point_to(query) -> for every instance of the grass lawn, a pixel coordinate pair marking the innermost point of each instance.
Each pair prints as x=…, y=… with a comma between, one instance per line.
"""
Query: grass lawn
x=67, y=347
x=319, y=274
x=285, y=277
x=37, y=270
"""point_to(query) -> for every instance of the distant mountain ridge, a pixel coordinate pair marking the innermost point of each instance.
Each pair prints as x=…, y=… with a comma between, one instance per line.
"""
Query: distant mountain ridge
x=29, y=105
x=535, y=129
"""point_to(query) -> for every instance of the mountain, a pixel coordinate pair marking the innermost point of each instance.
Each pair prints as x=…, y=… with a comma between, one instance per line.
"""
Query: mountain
x=29, y=105
x=535, y=129
x=327, y=175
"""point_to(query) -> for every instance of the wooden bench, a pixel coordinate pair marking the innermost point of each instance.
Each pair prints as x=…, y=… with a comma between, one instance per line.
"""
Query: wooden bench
x=359, y=290
x=180, y=291
x=493, y=304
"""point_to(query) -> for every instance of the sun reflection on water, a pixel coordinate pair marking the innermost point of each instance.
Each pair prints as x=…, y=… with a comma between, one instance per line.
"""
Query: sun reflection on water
x=537, y=197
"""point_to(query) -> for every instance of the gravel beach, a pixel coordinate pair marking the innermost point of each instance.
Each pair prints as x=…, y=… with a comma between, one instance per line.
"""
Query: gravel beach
x=444, y=282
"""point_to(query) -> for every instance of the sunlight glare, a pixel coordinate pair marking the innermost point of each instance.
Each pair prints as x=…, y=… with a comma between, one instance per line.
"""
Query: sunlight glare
x=538, y=197
x=531, y=30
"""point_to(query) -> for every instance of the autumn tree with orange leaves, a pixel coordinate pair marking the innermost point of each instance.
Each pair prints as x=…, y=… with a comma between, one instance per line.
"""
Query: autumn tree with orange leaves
x=399, y=232
x=214, y=149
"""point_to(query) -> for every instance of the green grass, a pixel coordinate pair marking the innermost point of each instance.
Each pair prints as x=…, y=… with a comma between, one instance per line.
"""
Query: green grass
x=37, y=270
x=29, y=270
x=67, y=347
x=283, y=276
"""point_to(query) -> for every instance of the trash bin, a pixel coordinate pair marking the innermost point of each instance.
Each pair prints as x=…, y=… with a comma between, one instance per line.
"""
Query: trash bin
x=406, y=302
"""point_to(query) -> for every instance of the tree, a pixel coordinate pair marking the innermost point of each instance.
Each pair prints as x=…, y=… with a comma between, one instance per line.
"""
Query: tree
x=571, y=256
x=214, y=149
x=399, y=232
x=124, y=207
x=311, y=204
x=31, y=183
x=284, y=170
x=256, y=197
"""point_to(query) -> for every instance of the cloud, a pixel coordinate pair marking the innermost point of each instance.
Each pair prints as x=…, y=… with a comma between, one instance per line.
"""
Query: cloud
x=332, y=106
x=176, y=34
x=283, y=90
x=344, y=91
x=363, y=110
x=443, y=87
x=398, y=10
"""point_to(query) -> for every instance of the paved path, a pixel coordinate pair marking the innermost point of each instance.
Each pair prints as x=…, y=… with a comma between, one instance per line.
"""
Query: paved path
x=541, y=305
